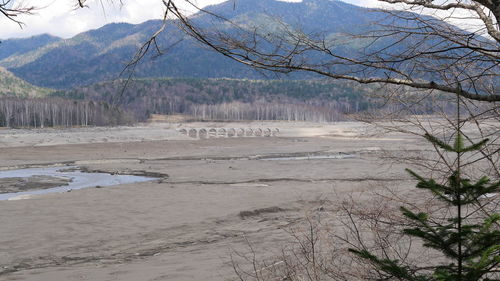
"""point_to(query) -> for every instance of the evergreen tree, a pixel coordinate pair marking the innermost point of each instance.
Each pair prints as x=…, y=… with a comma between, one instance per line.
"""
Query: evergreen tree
x=470, y=246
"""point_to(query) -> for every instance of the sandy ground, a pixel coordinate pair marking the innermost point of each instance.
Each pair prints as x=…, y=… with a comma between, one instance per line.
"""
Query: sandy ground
x=215, y=195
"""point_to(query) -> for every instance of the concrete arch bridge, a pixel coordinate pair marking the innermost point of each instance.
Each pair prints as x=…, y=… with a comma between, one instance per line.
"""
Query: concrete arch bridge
x=205, y=133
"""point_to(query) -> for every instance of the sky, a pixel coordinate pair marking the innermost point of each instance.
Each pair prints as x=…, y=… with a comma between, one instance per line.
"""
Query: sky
x=61, y=18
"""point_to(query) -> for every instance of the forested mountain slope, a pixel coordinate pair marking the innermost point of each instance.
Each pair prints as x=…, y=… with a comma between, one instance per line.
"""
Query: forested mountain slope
x=101, y=54
x=186, y=95
x=20, y=46
x=12, y=86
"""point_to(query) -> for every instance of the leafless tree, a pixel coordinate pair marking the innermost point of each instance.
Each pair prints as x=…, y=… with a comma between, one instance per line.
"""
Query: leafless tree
x=406, y=47
x=430, y=54
x=414, y=47
x=58, y=112
x=12, y=9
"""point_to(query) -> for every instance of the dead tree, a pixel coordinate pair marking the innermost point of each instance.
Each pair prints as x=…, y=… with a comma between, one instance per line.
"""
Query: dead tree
x=405, y=47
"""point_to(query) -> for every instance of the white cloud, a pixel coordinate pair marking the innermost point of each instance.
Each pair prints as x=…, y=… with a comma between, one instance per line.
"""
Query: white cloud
x=59, y=17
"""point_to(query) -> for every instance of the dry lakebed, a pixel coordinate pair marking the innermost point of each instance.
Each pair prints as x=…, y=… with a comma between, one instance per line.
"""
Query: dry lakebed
x=186, y=204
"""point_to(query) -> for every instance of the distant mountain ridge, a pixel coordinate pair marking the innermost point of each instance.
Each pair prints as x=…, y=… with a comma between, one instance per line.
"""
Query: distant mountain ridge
x=13, y=47
x=101, y=54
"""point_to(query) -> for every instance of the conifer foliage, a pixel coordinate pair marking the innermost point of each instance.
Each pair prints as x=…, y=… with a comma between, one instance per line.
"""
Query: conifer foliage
x=468, y=243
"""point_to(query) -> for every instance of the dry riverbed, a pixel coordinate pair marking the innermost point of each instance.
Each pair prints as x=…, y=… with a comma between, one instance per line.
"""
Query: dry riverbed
x=209, y=197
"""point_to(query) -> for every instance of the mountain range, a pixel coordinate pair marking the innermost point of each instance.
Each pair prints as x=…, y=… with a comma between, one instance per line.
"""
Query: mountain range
x=101, y=54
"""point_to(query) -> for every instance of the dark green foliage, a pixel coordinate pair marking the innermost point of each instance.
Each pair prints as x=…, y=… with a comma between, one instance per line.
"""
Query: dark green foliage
x=469, y=245
x=179, y=95
x=391, y=267
x=458, y=145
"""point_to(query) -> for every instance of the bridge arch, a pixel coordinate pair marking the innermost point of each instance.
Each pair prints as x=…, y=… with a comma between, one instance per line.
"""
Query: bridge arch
x=222, y=133
x=203, y=134
x=212, y=133
x=193, y=133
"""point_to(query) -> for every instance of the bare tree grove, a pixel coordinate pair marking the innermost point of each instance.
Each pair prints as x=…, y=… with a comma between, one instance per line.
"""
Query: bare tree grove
x=266, y=111
x=57, y=112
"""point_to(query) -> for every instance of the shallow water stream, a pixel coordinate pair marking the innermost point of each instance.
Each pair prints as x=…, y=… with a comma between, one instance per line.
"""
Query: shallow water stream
x=78, y=179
